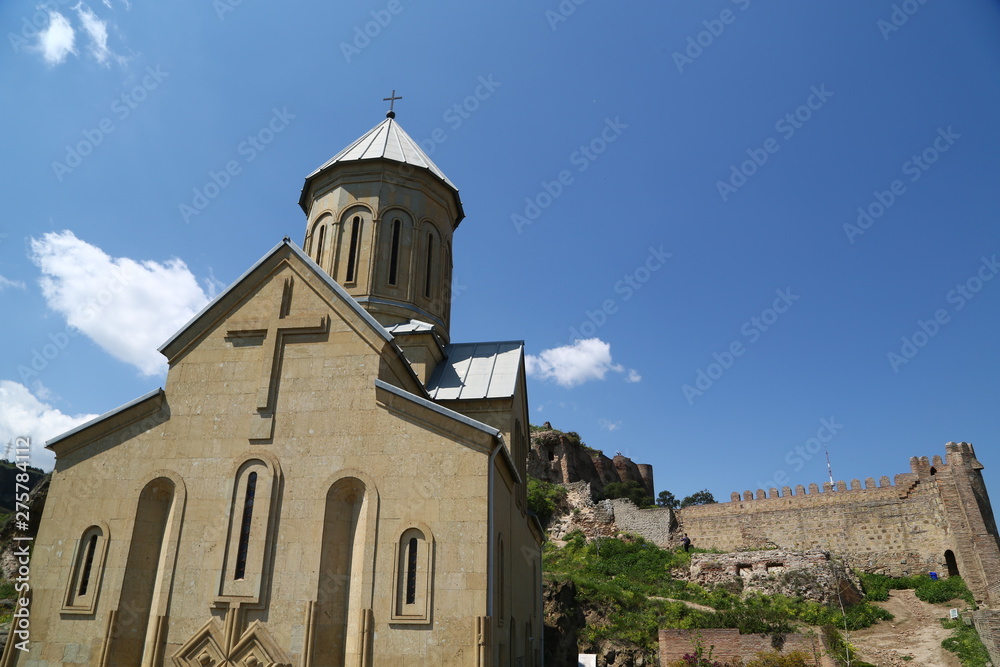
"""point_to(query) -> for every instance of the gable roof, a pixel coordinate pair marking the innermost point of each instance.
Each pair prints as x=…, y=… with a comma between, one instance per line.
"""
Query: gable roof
x=181, y=339
x=477, y=370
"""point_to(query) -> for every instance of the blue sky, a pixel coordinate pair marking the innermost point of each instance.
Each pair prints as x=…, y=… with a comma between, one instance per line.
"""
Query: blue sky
x=726, y=230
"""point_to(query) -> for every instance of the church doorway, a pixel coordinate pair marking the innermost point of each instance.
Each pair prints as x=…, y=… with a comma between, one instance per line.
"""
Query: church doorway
x=949, y=559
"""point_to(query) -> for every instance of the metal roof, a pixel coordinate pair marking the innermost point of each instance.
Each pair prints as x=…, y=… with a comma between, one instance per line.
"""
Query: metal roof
x=477, y=370
x=389, y=141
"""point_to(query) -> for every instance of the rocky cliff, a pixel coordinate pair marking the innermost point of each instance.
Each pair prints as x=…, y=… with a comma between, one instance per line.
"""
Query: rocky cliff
x=562, y=458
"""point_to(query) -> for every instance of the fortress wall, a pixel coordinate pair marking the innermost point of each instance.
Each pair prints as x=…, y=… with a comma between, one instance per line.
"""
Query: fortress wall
x=896, y=529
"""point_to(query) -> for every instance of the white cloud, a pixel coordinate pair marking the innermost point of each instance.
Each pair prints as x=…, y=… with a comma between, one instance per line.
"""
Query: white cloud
x=24, y=415
x=97, y=30
x=129, y=308
x=56, y=41
x=609, y=425
x=571, y=365
x=633, y=376
x=7, y=282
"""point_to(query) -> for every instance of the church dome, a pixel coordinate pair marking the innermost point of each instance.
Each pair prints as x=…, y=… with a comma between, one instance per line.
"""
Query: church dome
x=386, y=141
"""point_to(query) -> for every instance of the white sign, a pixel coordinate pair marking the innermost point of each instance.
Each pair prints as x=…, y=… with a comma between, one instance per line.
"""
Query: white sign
x=587, y=659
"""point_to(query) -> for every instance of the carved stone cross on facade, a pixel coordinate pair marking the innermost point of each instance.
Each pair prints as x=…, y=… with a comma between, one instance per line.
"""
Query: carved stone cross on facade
x=274, y=332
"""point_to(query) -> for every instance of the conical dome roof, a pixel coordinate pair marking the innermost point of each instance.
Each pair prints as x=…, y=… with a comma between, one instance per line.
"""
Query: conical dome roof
x=386, y=141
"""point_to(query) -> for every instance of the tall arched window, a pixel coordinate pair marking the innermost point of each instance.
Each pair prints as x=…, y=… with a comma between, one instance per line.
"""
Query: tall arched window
x=397, y=229
x=88, y=569
x=245, y=525
x=429, y=267
x=250, y=530
x=352, y=253
x=413, y=576
x=320, y=239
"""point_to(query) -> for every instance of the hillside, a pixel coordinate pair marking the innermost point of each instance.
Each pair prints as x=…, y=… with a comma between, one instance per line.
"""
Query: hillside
x=608, y=592
x=8, y=484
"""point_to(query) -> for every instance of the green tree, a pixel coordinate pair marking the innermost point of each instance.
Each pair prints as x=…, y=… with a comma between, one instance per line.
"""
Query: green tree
x=667, y=499
x=630, y=490
x=703, y=497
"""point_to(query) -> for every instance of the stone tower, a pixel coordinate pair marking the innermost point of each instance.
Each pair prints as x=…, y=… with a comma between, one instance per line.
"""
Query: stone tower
x=380, y=218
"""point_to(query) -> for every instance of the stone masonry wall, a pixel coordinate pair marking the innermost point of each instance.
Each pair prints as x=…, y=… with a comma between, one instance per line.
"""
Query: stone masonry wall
x=897, y=529
x=656, y=525
x=730, y=645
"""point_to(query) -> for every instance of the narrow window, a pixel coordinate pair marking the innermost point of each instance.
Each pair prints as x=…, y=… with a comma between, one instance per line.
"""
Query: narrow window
x=411, y=572
x=430, y=259
x=319, y=244
x=394, y=251
x=352, y=257
x=241, y=554
x=88, y=563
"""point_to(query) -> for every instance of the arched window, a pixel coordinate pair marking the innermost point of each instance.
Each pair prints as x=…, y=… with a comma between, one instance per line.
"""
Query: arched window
x=250, y=531
x=428, y=276
x=352, y=253
x=88, y=569
x=413, y=567
x=245, y=524
x=320, y=239
x=397, y=229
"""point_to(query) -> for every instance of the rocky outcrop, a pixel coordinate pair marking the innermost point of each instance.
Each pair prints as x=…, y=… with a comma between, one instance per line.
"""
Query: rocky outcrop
x=562, y=458
x=563, y=621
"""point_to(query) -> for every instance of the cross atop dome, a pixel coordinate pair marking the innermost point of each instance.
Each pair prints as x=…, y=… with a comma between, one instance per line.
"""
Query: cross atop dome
x=391, y=100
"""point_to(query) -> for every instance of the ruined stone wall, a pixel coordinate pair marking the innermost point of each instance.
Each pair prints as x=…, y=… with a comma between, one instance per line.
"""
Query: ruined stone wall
x=655, y=525
x=729, y=645
x=987, y=624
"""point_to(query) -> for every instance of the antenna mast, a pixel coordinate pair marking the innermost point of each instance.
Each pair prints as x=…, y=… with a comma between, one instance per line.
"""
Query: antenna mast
x=829, y=468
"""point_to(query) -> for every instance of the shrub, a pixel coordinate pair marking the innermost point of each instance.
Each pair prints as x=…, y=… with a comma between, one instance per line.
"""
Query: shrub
x=965, y=643
x=544, y=498
x=630, y=490
x=877, y=587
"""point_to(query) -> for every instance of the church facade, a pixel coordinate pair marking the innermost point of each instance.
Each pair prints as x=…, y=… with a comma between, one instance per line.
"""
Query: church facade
x=326, y=478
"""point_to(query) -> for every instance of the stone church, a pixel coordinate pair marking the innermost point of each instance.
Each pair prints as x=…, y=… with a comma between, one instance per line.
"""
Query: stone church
x=326, y=479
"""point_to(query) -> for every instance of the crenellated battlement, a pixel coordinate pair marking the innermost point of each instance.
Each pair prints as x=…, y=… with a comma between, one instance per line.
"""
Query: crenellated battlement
x=934, y=518
x=903, y=479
